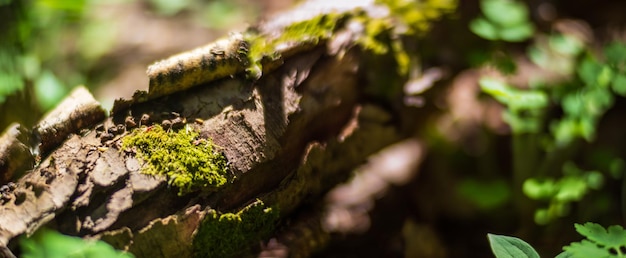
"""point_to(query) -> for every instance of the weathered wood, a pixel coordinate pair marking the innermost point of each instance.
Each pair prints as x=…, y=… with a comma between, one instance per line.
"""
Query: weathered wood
x=77, y=111
x=289, y=136
x=15, y=155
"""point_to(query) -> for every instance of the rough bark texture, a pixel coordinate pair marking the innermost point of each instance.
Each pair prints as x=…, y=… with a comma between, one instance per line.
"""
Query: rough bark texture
x=289, y=136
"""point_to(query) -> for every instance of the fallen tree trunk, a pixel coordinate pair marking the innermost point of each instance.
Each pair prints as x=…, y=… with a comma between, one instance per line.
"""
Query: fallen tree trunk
x=294, y=106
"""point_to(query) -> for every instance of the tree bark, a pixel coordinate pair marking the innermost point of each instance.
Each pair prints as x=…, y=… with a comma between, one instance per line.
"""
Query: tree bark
x=289, y=135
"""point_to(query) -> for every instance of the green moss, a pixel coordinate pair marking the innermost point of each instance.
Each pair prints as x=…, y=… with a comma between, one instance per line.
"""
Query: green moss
x=231, y=234
x=383, y=39
x=417, y=15
x=302, y=34
x=190, y=163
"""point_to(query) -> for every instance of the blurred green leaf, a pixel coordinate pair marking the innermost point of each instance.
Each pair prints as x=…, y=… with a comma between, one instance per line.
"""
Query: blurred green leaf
x=565, y=131
x=505, y=12
x=50, y=244
x=510, y=247
x=589, y=70
x=49, y=90
x=619, y=84
x=516, y=99
x=605, y=76
x=542, y=217
x=504, y=20
x=566, y=45
x=538, y=56
x=594, y=180
x=571, y=188
x=539, y=189
x=517, y=33
x=73, y=9
x=484, y=29
x=573, y=104
x=520, y=124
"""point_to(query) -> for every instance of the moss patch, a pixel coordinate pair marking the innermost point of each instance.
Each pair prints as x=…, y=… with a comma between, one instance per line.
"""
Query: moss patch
x=189, y=162
x=416, y=16
x=231, y=234
x=263, y=51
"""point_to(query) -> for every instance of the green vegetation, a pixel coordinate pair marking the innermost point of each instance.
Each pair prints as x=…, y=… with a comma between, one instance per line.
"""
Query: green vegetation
x=600, y=243
x=51, y=244
x=595, y=81
x=189, y=162
x=415, y=17
x=231, y=234
x=504, y=20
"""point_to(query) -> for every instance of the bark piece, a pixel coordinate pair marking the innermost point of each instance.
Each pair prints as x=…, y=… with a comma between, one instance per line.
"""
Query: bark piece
x=77, y=111
x=15, y=156
x=217, y=60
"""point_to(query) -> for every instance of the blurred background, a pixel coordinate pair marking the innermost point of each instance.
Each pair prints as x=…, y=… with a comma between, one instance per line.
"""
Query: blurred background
x=48, y=47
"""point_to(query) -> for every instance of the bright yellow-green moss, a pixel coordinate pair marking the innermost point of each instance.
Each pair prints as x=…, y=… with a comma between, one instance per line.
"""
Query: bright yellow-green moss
x=190, y=163
x=301, y=34
x=231, y=234
x=417, y=15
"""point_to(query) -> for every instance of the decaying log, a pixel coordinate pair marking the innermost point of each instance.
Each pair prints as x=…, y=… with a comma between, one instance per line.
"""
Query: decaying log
x=290, y=131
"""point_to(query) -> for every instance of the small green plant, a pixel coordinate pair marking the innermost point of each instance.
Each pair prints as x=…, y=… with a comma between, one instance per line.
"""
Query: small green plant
x=544, y=143
x=600, y=243
x=505, y=20
x=583, y=101
x=49, y=243
x=189, y=162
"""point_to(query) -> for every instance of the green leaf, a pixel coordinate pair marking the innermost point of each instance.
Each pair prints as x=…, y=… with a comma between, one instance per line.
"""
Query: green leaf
x=586, y=249
x=520, y=124
x=566, y=45
x=605, y=76
x=589, y=70
x=613, y=238
x=484, y=29
x=539, y=189
x=571, y=188
x=594, y=179
x=542, y=217
x=616, y=54
x=505, y=12
x=517, y=33
x=619, y=84
x=510, y=247
x=48, y=243
x=516, y=99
